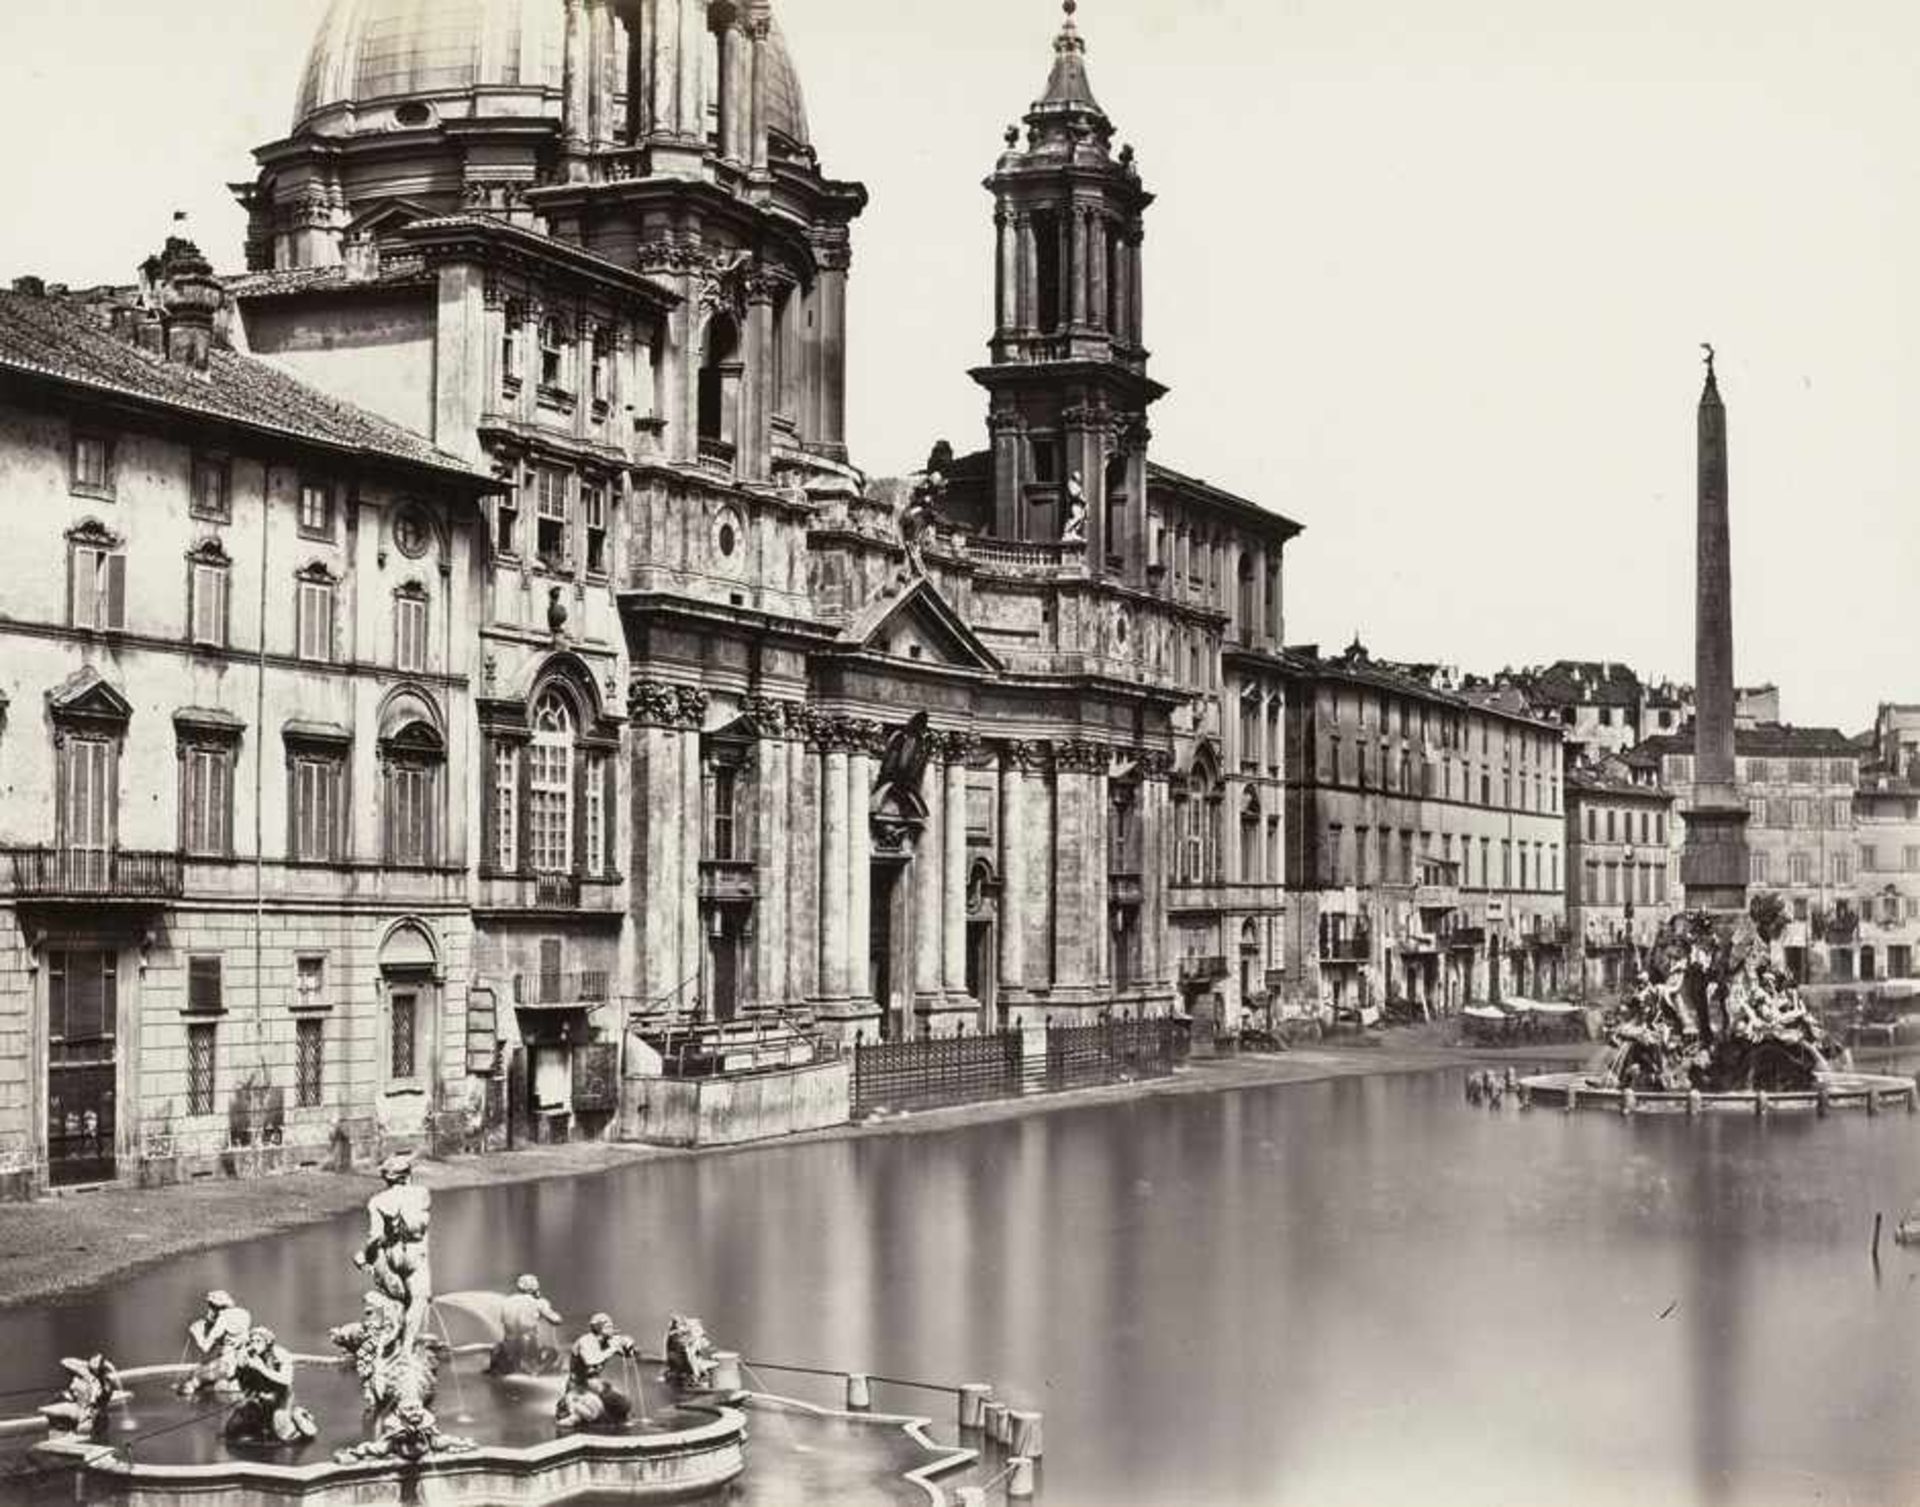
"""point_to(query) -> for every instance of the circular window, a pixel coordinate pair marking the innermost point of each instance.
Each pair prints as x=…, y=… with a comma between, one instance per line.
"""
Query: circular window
x=413, y=113
x=729, y=541
x=1120, y=627
x=412, y=533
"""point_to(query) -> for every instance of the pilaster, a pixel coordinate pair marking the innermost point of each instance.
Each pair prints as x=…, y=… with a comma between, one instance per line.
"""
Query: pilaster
x=954, y=886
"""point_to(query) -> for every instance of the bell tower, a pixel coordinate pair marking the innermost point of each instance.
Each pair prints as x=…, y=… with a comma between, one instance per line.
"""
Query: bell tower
x=1067, y=385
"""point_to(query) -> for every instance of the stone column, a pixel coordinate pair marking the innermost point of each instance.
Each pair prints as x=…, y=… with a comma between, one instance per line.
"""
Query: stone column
x=1097, y=296
x=574, y=72
x=1008, y=435
x=1155, y=815
x=690, y=830
x=1029, y=254
x=1014, y=900
x=954, y=885
x=927, y=876
x=599, y=39
x=692, y=75
x=727, y=83
x=1005, y=276
x=773, y=777
x=804, y=828
x=757, y=97
x=655, y=887
x=859, y=881
x=1081, y=883
x=834, y=897
x=1042, y=831
x=634, y=69
x=1077, y=263
x=833, y=350
x=756, y=385
x=1136, y=293
x=663, y=44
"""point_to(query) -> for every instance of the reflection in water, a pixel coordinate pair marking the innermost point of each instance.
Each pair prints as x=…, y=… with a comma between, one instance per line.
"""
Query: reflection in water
x=1355, y=1292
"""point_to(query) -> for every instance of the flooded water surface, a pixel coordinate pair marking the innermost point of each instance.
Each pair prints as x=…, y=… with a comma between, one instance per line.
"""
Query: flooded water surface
x=1359, y=1291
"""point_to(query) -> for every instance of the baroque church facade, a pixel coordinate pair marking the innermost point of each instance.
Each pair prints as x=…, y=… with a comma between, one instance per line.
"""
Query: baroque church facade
x=601, y=234
x=718, y=726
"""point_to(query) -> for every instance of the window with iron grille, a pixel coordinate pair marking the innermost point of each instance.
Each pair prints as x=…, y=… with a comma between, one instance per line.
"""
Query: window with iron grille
x=402, y=1023
x=310, y=1047
x=202, y=1036
x=206, y=800
x=211, y=500
x=82, y=1003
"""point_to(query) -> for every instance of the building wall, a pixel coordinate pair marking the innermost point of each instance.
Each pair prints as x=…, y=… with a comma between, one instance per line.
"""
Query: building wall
x=254, y=909
x=1617, y=842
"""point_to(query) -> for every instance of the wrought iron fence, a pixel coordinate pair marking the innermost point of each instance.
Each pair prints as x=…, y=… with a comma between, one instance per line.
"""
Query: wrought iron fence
x=116, y=874
x=938, y=1070
x=935, y=1071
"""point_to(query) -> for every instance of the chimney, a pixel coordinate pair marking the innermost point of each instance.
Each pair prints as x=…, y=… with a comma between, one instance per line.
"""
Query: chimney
x=30, y=287
x=189, y=295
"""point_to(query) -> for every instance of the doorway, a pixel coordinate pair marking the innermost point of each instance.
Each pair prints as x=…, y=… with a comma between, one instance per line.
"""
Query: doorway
x=886, y=892
x=82, y=1064
x=723, y=965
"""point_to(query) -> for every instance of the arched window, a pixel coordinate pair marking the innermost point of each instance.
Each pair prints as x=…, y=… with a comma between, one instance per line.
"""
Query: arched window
x=550, y=787
x=719, y=381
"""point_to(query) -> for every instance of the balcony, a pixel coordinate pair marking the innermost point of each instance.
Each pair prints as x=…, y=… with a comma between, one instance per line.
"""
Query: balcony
x=1202, y=970
x=1442, y=897
x=93, y=876
x=560, y=990
x=1345, y=949
x=717, y=455
x=727, y=881
x=552, y=894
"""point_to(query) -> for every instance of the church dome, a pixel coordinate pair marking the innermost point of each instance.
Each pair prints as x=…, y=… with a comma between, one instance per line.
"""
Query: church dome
x=375, y=64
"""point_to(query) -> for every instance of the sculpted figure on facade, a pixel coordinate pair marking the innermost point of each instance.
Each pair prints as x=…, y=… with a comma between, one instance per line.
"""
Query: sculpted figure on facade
x=1075, y=531
x=666, y=703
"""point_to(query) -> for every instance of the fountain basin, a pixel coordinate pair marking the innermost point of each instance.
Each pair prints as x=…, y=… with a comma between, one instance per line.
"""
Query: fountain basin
x=1870, y=1092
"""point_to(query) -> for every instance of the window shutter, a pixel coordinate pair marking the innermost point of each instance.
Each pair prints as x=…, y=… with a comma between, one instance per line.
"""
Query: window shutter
x=582, y=769
x=610, y=816
x=117, y=591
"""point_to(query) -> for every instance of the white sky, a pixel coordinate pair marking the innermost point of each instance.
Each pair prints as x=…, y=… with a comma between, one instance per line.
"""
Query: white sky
x=1428, y=278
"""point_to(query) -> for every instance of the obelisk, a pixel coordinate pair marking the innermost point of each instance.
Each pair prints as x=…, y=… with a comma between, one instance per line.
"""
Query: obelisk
x=1713, y=864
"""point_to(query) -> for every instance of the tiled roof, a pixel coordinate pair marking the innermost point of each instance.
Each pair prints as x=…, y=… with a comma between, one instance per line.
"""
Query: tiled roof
x=1357, y=667
x=1600, y=782
x=1206, y=491
x=1765, y=740
x=65, y=340
x=1584, y=682
x=394, y=272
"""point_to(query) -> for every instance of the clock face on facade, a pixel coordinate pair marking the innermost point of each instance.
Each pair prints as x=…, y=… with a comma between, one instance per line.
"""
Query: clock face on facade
x=411, y=533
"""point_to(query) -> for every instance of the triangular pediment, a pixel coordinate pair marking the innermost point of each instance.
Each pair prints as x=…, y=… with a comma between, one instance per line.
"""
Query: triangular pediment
x=921, y=626
x=86, y=695
x=388, y=215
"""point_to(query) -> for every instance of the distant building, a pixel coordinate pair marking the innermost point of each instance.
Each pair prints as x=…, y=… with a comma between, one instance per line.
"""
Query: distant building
x=1894, y=742
x=1619, y=891
x=1602, y=706
x=1423, y=834
x=1799, y=785
x=1886, y=811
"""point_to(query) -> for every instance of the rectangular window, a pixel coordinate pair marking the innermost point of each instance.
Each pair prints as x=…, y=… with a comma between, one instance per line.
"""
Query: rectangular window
x=1757, y=869
x=1840, y=771
x=595, y=799
x=310, y=1061
x=310, y=984
x=313, y=627
x=318, y=808
x=1613, y=883
x=1660, y=884
x=211, y=475
x=400, y=1047
x=506, y=526
x=206, y=801
x=593, y=506
x=204, y=994
x=1800, y=812
x=1842, y=867
x=93, y=465
x=1757, y=811
x=209, y=593
x=510, y=351
x=1757, y=771
x=201, y=1038
x=1869, y=858
x=97, y=588
x=1840, y=814
x=602, y=383
x=550, y=808
x=410, y=631
x=506, y=807
x=85, y=805
x=1336, y=838
x=315, y=515
x=553, y=353
x=1800, y=868
x=550, y=514
x=410, y=809
x=1910, y=859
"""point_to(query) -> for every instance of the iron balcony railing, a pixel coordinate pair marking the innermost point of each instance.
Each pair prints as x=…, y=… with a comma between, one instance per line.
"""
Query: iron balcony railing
x=557, y=891
x=1202, y=969
x=94, y=874
x=587, y=988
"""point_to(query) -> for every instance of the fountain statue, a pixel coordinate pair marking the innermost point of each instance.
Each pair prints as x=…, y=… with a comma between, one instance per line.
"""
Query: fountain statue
x=396, y=1253
x=267, y=1412
x=590, y=1401
x=218, y=1336
x=81, y=1410
x=522, y=1349
x=1717, y=1018
x=690, y=1362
